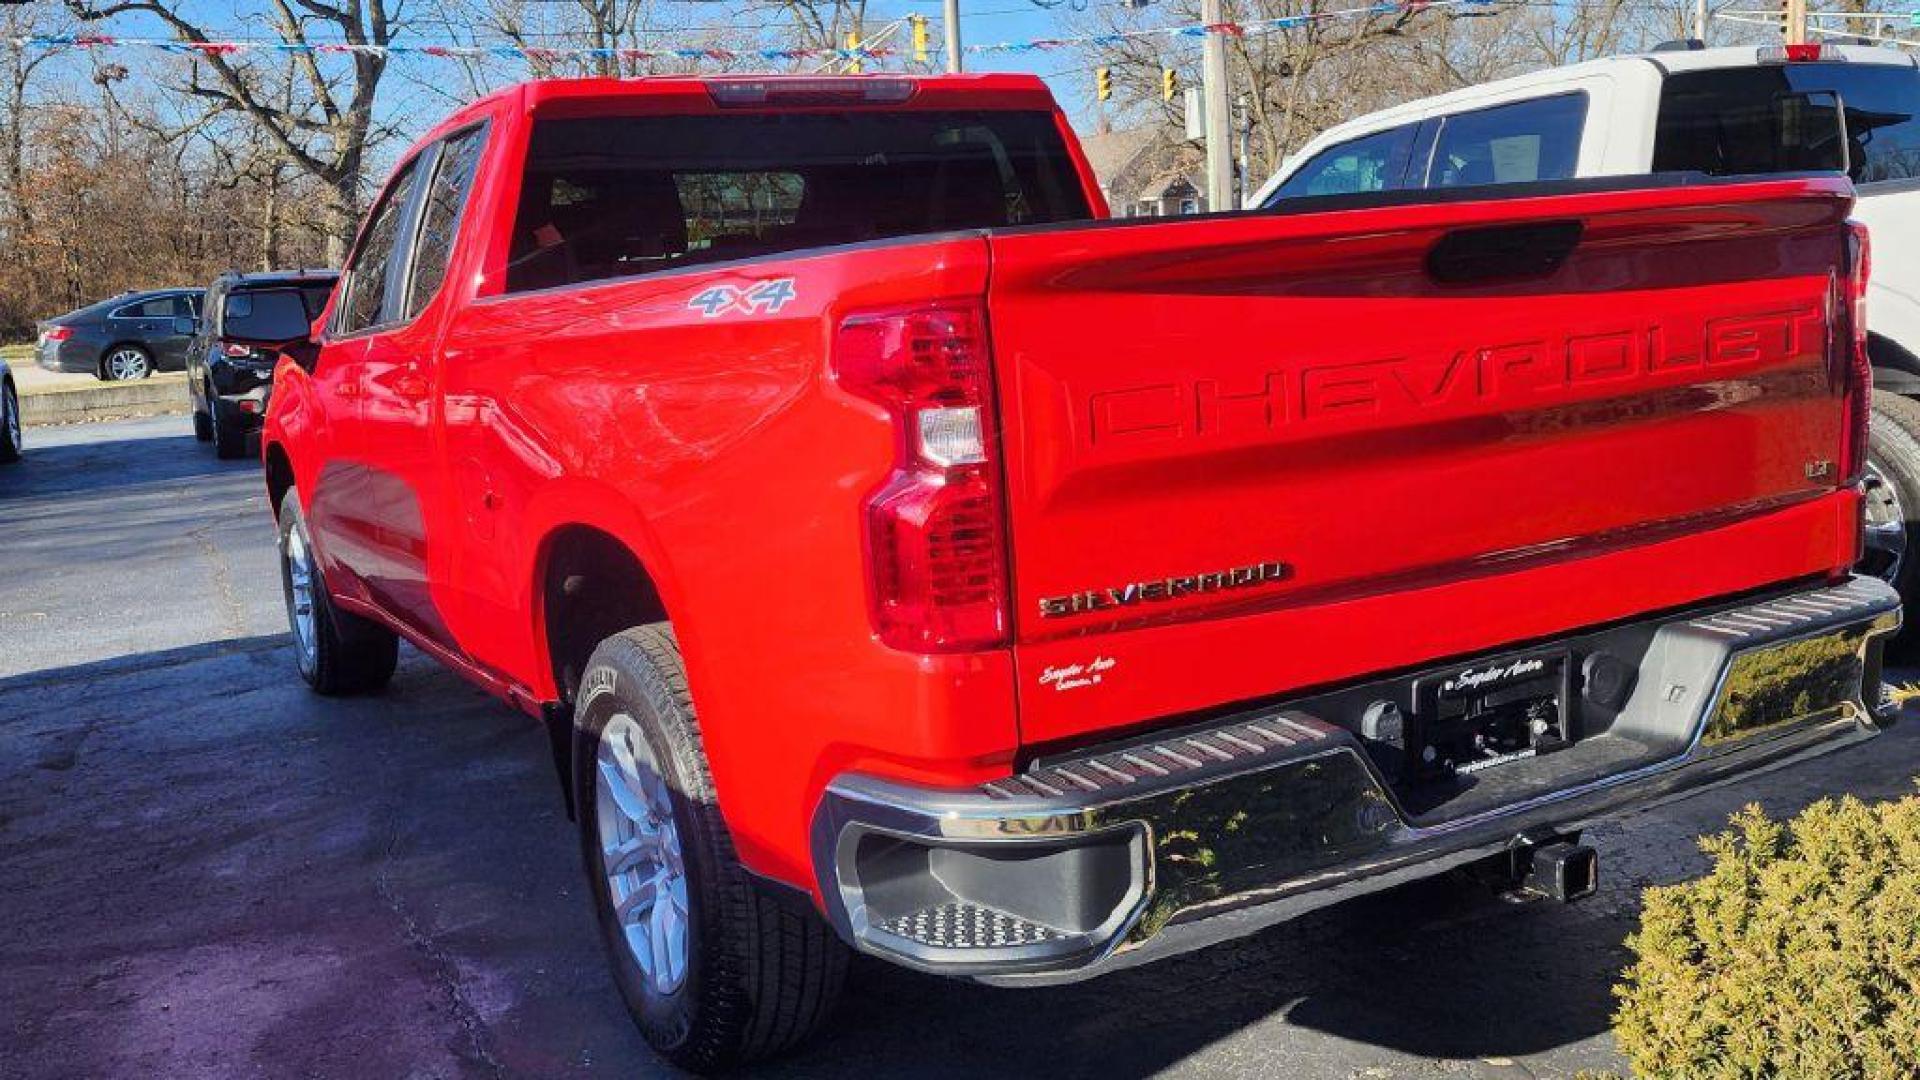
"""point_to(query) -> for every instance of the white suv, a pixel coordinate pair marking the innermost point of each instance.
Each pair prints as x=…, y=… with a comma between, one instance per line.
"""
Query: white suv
x=1729, y=111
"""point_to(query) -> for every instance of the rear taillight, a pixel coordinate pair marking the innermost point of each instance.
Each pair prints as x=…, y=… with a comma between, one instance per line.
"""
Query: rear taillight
x=239, y=351
x=1859, y=363
x=936, y=545
x=58, y=333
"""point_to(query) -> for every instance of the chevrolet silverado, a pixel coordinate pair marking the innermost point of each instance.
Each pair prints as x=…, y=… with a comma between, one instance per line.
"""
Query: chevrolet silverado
x=904, y=559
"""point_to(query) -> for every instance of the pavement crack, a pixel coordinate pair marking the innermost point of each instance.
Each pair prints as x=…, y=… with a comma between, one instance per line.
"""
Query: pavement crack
x=233, y=612
x=445, y=970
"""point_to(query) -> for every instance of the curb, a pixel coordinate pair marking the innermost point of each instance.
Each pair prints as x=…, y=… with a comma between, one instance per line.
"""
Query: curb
x=154, y=396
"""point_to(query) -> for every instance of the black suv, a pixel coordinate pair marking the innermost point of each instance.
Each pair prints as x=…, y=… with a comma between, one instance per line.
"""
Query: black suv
x=228, y=375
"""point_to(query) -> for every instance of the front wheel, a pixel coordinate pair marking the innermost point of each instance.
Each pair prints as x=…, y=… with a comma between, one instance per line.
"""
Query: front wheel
x=338, y=653
x=717, y=969
x=1892, y=501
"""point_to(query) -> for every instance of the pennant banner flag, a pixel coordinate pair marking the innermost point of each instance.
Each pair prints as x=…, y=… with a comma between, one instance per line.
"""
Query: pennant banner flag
x=718, y=55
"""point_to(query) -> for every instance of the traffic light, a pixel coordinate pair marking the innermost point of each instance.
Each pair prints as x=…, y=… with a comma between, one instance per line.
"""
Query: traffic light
x=1169, y=84
x=920, y=47
x=1786, y=19
x=1102, y=83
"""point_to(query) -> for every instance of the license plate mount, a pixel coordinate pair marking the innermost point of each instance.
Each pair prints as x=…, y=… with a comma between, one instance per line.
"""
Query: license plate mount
x=1491, y=713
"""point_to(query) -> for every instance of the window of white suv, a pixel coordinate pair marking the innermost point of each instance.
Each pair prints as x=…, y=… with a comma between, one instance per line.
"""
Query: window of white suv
x=1375, y=162
x=1739, y=121
x=1510, y=144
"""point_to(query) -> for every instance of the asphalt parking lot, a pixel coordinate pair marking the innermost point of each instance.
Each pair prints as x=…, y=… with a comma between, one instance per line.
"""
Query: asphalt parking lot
x=204, y=871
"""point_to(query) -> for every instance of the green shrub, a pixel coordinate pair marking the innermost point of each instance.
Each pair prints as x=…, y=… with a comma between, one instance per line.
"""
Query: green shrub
x=1798, y=955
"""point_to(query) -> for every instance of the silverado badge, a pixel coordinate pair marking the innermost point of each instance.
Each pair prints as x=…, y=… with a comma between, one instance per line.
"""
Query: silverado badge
x=1162, y=589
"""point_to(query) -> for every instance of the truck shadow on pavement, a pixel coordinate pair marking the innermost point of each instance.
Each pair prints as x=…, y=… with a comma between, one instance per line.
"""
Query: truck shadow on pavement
x=1436, y=969
x=208, y=868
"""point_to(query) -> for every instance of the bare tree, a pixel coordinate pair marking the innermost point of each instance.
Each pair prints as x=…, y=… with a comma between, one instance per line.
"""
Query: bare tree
x=1295, y=78
x=821, y=24
x=20, y=67
x=327, y=130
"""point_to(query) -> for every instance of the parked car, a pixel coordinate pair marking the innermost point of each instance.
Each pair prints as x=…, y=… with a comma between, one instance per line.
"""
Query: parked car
x=130, y=336
x=11, y=440
x=246, y=320
x=1686, y=108
x=902, y=563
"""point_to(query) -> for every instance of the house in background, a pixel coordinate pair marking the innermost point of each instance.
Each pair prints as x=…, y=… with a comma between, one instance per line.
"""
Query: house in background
x=1147, y=171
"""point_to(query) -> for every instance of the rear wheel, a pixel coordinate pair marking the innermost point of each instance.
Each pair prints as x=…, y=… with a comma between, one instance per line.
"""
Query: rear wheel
x=203, y=424
x=716, y=968
x=338, y=652
x=125, y=363
x=228, y=442
x=1892, y=490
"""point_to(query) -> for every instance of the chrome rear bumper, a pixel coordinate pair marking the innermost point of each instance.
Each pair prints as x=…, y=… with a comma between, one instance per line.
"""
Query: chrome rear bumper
x=1126, y=853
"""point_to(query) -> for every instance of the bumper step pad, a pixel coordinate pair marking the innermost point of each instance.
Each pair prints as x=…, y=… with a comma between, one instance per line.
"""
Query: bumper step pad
x=961, y=925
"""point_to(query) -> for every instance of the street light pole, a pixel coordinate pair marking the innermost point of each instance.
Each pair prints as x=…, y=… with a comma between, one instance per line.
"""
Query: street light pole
x=950, y=15
x=1213, y=86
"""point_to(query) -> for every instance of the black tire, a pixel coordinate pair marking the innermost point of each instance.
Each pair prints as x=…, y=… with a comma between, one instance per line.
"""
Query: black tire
x=105, y=374
x=1893, y=451
x=202, y=426
x=11, y=441
x=228, y=444
x=347, y=654
x=763, y=969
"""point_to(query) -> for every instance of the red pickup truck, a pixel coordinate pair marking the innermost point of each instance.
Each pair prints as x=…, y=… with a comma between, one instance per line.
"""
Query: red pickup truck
x=905, y=560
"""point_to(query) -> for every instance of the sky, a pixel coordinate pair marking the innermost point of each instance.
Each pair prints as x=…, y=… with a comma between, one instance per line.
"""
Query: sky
x=982, y=21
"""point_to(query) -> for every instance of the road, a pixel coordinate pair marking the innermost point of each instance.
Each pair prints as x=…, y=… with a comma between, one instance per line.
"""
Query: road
x=204, y=871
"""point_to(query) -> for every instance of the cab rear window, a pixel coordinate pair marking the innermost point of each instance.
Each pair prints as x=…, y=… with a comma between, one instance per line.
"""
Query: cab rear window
x=1771, y=118
x=608, y=197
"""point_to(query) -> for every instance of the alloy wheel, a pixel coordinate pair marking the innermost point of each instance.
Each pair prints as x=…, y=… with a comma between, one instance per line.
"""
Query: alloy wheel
x=126, y=364
x=640, y=854
x=300, y=580
x=1886, y=526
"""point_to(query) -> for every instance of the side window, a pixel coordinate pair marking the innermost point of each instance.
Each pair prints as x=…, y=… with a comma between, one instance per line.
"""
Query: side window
x=366, y=276
x=182, y=307
x=1510, y=144
x=1370, y=163
x=160, y=307
x=446, y=196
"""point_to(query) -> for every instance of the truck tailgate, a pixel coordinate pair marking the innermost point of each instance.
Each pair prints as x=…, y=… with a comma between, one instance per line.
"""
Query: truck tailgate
x=1250, y=454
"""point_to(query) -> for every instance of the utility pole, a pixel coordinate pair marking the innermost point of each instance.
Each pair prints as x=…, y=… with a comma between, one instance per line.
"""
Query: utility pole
x=950, y=15
x=1243, y=131
x=1219, y=118
x=1796, y=22
x=1700, y=20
